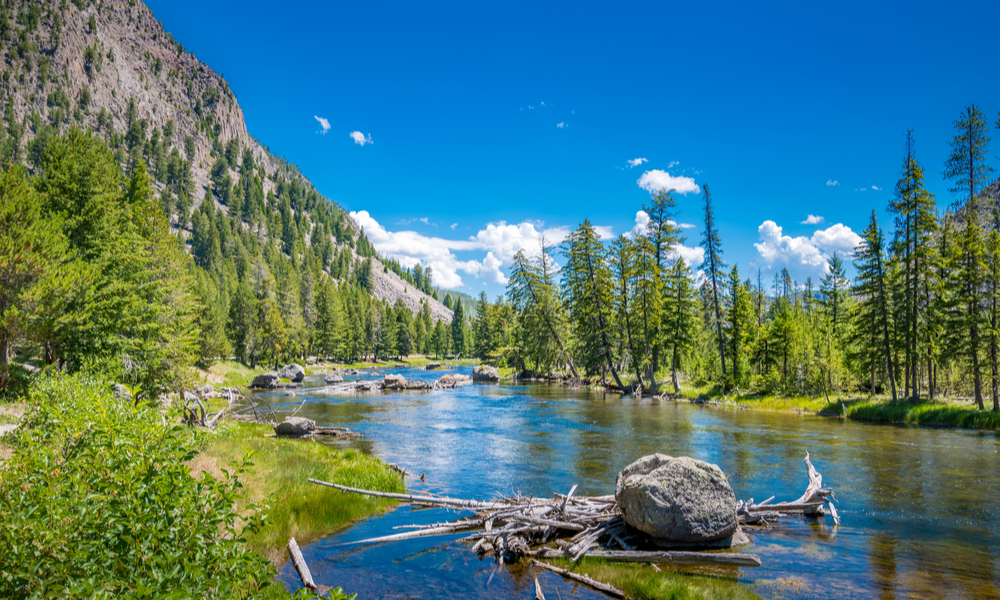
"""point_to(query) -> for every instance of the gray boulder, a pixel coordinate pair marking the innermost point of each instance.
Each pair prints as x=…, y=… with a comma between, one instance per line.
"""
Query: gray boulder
x=486, y=374
x=394, y=382
x=295, y=426
x=417, y=384
x=333, y=378
x=121, y=392
x=204, y=391
x=433, y=365
x=265, y=381
x=292, y=372
x=677, y=499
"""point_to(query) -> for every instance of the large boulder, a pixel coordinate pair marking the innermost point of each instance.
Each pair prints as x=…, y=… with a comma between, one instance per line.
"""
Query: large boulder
x=486, y=374
x=333, y=378
x=265, y=381
x=677, y=499
x=433, y=365
x=292, y=372
x=394, y=382
x=295, y=426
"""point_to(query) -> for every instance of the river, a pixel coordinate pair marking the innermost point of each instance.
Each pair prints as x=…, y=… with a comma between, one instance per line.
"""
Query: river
x=919, y=505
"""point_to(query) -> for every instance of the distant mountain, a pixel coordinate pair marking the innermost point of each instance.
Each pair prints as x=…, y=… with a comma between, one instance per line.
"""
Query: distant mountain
x=108, y=66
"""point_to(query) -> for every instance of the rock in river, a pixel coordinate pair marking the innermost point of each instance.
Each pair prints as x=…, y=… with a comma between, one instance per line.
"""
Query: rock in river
x=265, y=381
x=486, y=373
x=394, y=382
x=292, y=372
x=295, y=426
x=453, y=380
x=433, y=365
x=677, y=499
x=332, y=378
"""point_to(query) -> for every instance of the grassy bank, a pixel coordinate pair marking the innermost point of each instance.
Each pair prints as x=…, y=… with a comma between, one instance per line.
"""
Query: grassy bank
x=643, y=581
x=879, y=409
x=278, y=478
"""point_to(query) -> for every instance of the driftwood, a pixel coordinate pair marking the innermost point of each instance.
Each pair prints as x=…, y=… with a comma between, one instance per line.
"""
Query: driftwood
x=538, y=591
x=300, y=564
x=810, y=503
x=727, y=559
x=597, y=585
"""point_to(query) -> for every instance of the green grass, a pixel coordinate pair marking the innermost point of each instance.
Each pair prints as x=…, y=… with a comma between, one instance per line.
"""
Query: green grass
x=230, y=373
x=924, y=412
x=643, y=581
x=278, y=478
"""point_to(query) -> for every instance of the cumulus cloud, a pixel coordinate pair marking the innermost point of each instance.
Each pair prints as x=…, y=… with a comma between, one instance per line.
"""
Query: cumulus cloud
x=491, y=269
x=324, y=123
x=560, y=124
x=656, y=180
x=410, y=248
x=832, y=182
x=803, y=256
x=504, y=239
x=605, y=232
x=360, y=139
x=812, y=220
x=635, y=162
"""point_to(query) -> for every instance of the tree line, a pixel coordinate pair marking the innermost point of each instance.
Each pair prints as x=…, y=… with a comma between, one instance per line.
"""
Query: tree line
x=918, y=320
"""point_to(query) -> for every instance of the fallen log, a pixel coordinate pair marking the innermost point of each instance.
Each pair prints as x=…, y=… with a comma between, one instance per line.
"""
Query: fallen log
x=738, y=559
x=597, y=585
x=300, y=564
x=538, y=591
x=428, y=500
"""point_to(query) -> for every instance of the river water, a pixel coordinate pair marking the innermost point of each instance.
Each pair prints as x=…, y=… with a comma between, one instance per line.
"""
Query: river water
x=919, y=506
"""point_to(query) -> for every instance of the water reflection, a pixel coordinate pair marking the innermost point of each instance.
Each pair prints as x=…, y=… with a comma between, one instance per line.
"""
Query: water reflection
x=919, y=505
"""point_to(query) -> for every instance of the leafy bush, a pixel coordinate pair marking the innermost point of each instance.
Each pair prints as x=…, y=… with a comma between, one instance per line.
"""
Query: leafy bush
x=97, y=501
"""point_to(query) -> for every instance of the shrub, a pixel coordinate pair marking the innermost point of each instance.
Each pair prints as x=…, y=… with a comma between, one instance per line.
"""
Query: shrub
x=97, y=501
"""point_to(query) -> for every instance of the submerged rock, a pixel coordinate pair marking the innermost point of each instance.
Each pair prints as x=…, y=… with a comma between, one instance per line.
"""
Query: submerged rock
x=486, y=373
x=295, y=426
x=292, y=372
x=265, y=381
x=677, y=499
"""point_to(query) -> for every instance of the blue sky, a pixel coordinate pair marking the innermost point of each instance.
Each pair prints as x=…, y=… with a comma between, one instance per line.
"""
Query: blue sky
x=785, y=109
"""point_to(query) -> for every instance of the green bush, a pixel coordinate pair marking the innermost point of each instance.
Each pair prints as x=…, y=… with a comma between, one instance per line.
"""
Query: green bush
x=97, y=501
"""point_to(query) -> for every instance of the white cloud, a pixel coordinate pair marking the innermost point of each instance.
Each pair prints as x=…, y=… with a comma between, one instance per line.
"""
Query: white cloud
x=425, y=220
x=635, y=162
x=410, y=248
x=504, y=240
x=530, y=107
x=324, y=123
x=453, y=226
x=360, y=139
x=803, y=256
x=876, y=188
x=561, y=124
x=673, y=163
x=686, y=225
x=491, y=269
x=812, y=220
x=832, y=182
x=656, y=180
x=605, y=232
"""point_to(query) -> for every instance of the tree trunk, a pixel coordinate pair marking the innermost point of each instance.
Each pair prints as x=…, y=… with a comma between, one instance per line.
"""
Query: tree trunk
x=673, y=372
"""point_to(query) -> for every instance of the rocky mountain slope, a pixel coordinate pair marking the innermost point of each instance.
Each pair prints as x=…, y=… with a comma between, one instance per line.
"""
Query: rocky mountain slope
x=109, y=66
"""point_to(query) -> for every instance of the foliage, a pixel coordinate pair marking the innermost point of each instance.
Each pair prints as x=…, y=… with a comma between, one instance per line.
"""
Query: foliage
x=97, y=501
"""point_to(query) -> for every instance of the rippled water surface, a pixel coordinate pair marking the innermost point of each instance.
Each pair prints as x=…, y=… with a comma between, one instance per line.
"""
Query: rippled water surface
x=919, y=506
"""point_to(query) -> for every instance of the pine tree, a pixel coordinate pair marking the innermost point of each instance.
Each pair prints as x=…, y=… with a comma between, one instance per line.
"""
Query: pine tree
x=485, y=328
x=871, y=320
x=834, y=287
x=663, y=232
x=966, y=166
x=993, y=306
x=967, y=320
x=679, y=316
x=458, y=327
x=586, y=285
x=740, y=316
x=714, y=271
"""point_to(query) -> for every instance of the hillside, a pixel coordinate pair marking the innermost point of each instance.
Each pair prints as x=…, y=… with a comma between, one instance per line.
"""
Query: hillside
x=108, y=66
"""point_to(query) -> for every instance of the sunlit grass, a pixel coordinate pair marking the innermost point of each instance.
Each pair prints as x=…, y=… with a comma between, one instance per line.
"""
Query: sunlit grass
x=643, y=581
x=278, y=478
x=924, y=412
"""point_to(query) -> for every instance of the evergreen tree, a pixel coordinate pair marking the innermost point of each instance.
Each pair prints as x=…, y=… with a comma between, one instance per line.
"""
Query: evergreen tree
x=835, y=286
x=967, y=319
x=871, y=320
x=458, y=327
x=679, y=316
x=966, y=165
x=714, y=271
x=740, y=316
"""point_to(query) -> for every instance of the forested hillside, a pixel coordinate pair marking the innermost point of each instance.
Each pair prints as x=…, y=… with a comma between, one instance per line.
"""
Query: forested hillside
x=276, y=270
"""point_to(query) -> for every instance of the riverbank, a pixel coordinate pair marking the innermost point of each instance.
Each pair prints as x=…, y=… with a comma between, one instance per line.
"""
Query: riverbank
x=278, y=479
x=878, y=409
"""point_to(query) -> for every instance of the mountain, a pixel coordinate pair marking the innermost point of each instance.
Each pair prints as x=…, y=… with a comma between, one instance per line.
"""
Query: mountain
x=109, y=66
